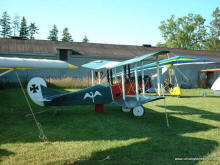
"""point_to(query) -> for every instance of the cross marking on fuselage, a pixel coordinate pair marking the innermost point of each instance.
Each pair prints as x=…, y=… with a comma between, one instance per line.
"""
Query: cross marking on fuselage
x=34, y=88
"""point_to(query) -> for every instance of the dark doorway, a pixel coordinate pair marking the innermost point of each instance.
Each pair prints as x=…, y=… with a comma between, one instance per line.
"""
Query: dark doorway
x=64, y=54
x=210, y=79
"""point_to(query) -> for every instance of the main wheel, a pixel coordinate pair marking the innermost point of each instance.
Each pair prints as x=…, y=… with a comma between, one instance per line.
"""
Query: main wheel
x=138, y=111
x=124, y=109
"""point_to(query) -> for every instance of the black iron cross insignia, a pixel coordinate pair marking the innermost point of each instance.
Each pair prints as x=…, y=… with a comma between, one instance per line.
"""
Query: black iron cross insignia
x=34, y=88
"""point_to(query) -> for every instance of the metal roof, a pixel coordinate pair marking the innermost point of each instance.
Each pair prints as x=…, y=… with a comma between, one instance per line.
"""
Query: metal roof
x=111, y=51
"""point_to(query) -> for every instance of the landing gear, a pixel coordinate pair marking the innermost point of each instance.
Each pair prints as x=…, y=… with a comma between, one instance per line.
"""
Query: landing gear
x=124, y=109
x=138, y=111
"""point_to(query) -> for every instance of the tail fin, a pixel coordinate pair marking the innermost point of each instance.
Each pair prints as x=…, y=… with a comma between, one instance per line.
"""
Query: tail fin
x=34, y=90
x=38, y=91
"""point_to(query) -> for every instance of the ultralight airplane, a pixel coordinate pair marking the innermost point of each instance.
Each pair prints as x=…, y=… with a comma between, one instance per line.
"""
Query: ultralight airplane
x=122, y=92
x=170, y=65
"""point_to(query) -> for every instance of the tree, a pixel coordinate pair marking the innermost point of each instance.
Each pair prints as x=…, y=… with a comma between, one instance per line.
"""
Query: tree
x=53, y=34
x=24, y=32
x=188, y=32
x=85, y=39
x=6, y=25
x=32, y=31
x=66, y=35
x=213, y=41
x=16, y=25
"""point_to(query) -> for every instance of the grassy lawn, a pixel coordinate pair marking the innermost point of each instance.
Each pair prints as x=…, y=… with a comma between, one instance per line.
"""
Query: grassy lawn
x=78, y=135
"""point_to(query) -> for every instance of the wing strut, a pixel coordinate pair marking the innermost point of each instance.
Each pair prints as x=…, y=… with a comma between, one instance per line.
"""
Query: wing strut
x=129, y=72
x=111, y=76
x=158, y=77
x=142, y=75
x=99, y=76
x=107, y=75
x=92, y=73
x=123, y=83
x=136, y=82
x=7, y=71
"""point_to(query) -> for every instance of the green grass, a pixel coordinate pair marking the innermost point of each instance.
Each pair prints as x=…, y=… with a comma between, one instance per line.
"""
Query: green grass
x=78, y=135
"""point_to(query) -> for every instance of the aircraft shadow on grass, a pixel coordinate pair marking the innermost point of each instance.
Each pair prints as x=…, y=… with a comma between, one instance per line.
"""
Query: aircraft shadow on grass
x=162, y=144
x=185, y=110
x=5, y=153
x=200, y=96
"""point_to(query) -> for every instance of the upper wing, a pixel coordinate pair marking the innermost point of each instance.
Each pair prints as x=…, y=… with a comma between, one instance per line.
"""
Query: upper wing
x=23, y=63
x=100, y=64
x=141, y=58
x=178, y=60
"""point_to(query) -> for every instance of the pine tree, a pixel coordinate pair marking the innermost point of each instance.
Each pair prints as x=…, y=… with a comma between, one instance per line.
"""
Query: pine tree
x=66, y=35
x=53, y=34
x=85, y=39
x=32, y=31
x=16, y=25
x=24, y=29
x=6, y=25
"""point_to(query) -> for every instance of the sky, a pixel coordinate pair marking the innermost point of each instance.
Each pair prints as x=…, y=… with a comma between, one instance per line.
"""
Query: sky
x=126, y=22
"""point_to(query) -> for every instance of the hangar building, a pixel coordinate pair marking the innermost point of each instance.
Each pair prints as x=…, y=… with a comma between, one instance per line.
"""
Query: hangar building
x=79, y=53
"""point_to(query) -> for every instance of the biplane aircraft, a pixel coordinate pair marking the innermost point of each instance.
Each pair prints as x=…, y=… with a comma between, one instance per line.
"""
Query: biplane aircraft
x=123, y=91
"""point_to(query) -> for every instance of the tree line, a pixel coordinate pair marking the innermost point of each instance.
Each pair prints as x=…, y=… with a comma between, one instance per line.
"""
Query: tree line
x=66, y=36
x=190, y=32
x=19, y=28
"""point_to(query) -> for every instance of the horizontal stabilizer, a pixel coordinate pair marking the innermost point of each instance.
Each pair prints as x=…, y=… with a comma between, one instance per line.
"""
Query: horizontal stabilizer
x=49, y=94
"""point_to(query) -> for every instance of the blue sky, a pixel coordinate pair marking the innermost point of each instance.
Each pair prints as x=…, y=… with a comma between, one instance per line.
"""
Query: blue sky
x=130, y=22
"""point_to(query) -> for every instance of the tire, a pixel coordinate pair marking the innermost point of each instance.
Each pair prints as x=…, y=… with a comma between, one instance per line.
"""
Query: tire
x=138, y=111
x=124, y=109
